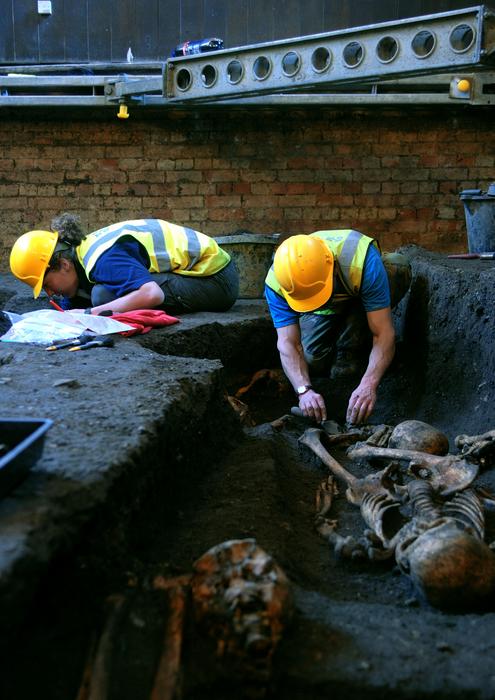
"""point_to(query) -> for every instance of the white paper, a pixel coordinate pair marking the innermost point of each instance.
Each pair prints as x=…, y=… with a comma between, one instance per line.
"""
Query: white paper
x=45, y=326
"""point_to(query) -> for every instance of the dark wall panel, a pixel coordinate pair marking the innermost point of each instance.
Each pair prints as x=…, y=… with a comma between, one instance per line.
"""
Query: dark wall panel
x=99, y=30
x=259, y=21
x=168, y=24
x=76, y=41
x=25, y=23
x=7, y=32
x=236, y=29
x=123, y=25
x=51, y=32
x=192, y=14
x=312, y=15
x=287, y=23
x=145, y=33
x=102, y=30
x=214, y=19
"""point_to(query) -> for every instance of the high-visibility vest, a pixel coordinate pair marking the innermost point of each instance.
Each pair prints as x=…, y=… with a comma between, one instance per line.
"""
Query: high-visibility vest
x=170, y=248
x=349, y=249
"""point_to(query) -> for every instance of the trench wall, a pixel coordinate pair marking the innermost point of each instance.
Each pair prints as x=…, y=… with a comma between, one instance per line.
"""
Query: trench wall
x=395, y=174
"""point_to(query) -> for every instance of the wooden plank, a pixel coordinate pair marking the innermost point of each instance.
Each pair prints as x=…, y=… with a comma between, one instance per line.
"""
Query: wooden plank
x=236, y=33
x=260, y=21
x=100, y=32
x=168, y=27
x=26, y=32
x=214, y=19
x=287, y=23
x=7, y=33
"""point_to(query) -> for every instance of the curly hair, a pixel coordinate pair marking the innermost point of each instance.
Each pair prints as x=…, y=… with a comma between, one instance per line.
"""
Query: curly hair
x=69, y=228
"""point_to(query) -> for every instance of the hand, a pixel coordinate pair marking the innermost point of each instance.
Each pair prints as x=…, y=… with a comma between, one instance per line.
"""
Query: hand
x=313, y=405
x=361, y=403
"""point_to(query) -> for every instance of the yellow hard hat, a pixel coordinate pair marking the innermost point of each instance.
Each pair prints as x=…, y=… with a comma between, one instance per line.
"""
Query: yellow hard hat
x=30, y=257
x=303, y=266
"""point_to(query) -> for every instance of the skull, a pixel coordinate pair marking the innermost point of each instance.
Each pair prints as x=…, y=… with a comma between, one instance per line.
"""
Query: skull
x=241, y=599
x=419, y=436
x=448, y=564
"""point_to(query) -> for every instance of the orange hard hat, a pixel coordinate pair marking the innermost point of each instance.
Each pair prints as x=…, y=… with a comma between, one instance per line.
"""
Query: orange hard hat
x=303, y=266
x=30, y=257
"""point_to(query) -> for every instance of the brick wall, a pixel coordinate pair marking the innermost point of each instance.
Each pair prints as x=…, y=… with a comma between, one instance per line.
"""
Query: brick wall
x=394, y=174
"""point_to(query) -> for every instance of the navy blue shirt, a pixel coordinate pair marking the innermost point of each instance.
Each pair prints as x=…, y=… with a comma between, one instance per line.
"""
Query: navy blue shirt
x=374, y=293
x=123, y=268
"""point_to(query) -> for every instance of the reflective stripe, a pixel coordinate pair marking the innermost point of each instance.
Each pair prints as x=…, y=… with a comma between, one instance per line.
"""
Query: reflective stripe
x=193, y=247
x=349, y=249
x=152, y=226
x=346, y=258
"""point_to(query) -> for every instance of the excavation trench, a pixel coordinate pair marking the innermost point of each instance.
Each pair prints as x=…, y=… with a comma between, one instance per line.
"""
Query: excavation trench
x=357, y=628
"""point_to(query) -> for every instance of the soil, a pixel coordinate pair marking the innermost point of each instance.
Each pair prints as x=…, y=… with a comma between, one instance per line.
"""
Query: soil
x=358, y=630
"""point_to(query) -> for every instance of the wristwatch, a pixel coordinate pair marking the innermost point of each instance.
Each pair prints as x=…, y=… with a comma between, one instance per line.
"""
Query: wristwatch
x=303, y=389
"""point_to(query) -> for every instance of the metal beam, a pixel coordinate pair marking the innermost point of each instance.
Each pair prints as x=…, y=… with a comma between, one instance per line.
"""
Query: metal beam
x=449, y=41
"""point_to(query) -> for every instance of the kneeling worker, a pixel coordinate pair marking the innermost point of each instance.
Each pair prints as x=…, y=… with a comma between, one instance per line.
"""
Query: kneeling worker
x=140, y=264
x=311, y=290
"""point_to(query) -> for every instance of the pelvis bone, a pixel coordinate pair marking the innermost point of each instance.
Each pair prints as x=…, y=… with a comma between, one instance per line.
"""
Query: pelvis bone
x=447, y=474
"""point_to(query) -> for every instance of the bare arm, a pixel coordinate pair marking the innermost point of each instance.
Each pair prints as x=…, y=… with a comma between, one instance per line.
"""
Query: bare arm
x=296, y=370
x=363, y=398
x=148, y=296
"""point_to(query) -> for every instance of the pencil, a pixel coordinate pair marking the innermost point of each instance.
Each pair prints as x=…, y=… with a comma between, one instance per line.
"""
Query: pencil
x=54, y=303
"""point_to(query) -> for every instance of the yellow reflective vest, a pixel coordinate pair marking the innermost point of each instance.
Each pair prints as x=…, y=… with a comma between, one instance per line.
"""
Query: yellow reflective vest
x=170, y=248
x=349, y=249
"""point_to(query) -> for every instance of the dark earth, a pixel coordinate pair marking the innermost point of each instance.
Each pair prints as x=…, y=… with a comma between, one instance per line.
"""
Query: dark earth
x=147, y=466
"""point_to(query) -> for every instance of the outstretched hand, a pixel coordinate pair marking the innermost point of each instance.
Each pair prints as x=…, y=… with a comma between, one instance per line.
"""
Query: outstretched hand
x=361, y=403
x=313, y=406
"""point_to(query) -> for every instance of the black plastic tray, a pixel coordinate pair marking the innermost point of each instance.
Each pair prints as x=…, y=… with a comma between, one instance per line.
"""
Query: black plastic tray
x=23, y=440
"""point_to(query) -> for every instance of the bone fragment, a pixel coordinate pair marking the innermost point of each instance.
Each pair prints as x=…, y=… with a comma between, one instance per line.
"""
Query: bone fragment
x=356, y=487
x=167, y=678
x=324, y=496
x=479, y=447
x=96, y=682
x=380, y=437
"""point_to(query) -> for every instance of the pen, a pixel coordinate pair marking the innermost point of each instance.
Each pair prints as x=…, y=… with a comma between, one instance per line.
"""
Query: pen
x=54, y=303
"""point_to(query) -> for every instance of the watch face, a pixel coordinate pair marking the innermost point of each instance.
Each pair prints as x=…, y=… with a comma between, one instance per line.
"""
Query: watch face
x=303, y=389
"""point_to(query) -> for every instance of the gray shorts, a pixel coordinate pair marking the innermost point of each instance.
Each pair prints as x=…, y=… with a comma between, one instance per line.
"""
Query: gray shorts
x=185, y=293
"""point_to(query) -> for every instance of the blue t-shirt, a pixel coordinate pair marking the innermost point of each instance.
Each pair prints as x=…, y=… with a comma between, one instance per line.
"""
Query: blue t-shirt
x=374, y=293
x=123, y=268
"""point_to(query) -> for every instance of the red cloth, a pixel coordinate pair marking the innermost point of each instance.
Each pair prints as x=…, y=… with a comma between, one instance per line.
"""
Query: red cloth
x=144, y=320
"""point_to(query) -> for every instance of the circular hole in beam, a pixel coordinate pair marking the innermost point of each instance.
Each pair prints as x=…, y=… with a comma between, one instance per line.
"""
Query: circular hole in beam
x=262, y=68
x=235, y=71
x=209, y=76
x=183, y=80
x=291, y=63
x=423, y=43
x=387, y=49
x=321, y=59
x=462, y=38
x=353, y=54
